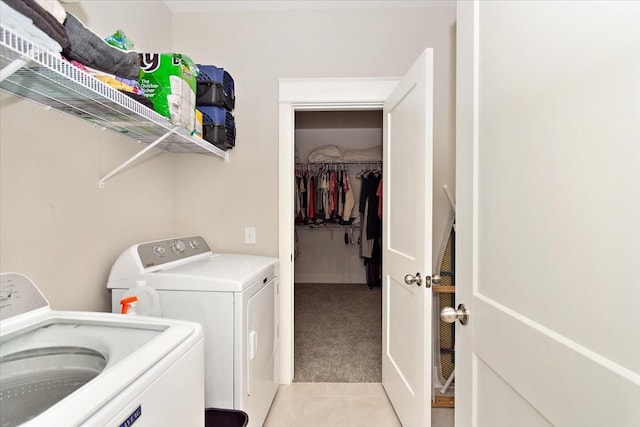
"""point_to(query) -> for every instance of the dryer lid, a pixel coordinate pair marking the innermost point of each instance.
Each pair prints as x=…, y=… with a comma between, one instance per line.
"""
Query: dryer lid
x=214, y=273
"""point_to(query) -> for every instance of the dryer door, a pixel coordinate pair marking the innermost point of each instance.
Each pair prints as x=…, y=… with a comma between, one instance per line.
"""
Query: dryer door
x=260, y=355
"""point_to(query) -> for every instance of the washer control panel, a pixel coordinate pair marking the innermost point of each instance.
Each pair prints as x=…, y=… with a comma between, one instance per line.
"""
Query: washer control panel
x=18, y=294
x=160, y=252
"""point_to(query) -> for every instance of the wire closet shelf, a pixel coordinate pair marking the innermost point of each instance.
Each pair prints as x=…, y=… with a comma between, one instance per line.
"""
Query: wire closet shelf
x=325, y=166
x=37, y=74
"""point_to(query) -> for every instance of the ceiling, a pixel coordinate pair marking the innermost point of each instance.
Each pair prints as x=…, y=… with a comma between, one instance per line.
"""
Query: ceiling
x=231, y=5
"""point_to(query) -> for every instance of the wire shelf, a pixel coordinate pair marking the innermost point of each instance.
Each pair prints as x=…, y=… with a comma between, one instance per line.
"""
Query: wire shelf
x=51, y=81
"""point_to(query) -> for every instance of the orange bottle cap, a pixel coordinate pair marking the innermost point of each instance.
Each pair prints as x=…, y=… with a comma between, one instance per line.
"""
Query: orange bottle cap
x=124, y=302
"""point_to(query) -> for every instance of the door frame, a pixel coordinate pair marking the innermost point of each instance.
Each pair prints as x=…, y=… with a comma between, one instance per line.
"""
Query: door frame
x=309, y=94
x=467, y=64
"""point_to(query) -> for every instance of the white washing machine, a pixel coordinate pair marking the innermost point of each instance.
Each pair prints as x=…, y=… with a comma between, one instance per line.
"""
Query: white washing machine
x=234, y=297
x=68, y=368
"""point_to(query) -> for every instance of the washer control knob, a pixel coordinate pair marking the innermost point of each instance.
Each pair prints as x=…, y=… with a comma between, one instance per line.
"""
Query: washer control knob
x=178, y=246
x=5, y=293
x=158, y=250
x=194, y=244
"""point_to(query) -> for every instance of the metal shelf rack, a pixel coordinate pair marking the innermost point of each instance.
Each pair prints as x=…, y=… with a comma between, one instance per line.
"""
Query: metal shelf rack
x=42, y=76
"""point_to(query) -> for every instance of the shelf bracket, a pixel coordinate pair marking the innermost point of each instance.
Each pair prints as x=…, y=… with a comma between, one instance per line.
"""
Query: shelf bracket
x=135, y=157
x=12, y=67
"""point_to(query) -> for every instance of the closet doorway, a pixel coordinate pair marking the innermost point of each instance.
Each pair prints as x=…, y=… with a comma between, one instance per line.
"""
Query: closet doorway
x=337, y=251
x=407, y=103
x=324, y=94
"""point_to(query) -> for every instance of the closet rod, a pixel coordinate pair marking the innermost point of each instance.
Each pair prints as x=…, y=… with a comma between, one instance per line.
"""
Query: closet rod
x=337, y=166
x=375, y=163
x=330, y=227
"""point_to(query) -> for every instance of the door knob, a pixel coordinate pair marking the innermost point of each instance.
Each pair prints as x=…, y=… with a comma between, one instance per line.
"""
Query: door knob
x=435, y=279
x=410, y=279
x=450, y=314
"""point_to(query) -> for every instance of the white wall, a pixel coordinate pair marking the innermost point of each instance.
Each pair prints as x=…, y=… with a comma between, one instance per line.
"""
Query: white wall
x=258, y=48
x=323, y=257
x=56, y=225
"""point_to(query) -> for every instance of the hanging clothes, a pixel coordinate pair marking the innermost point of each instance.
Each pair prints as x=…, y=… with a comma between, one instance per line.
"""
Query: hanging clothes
x=332, y=194
x=324, y=193
x=349, y=201
x=371, y=225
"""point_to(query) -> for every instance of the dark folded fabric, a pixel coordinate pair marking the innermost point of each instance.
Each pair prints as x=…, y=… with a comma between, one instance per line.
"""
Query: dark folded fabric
x=137, y=97
x=89, y=49
x=41, y=19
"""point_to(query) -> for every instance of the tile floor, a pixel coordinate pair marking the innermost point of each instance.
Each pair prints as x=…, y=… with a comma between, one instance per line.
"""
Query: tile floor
x=339, y=405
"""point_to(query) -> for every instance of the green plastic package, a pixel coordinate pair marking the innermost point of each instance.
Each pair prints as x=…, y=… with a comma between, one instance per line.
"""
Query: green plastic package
x=169, y=81
x=120, y=40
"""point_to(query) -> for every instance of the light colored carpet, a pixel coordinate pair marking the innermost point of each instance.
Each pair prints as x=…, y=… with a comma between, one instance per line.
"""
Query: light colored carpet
x=337, y=333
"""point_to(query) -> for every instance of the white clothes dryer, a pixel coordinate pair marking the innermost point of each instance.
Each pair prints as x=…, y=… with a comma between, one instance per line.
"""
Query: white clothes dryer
x=234, y=297
x=64, y=368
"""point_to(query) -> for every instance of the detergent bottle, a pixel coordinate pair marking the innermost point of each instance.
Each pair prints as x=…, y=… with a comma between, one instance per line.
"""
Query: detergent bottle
x=129, y=305
x=147, y=299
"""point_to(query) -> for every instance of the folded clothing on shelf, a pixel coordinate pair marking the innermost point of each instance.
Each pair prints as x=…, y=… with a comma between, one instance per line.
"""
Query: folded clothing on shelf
x=326, y=153
x=88, y=48
x=41, y=19
x=371, y=154
x=54, y=8
x=138, y=98
x=333, y=153
x=18, y=22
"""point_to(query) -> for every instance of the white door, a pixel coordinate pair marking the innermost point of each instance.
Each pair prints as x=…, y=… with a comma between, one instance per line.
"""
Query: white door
x=548, y=213
x=406, y=314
